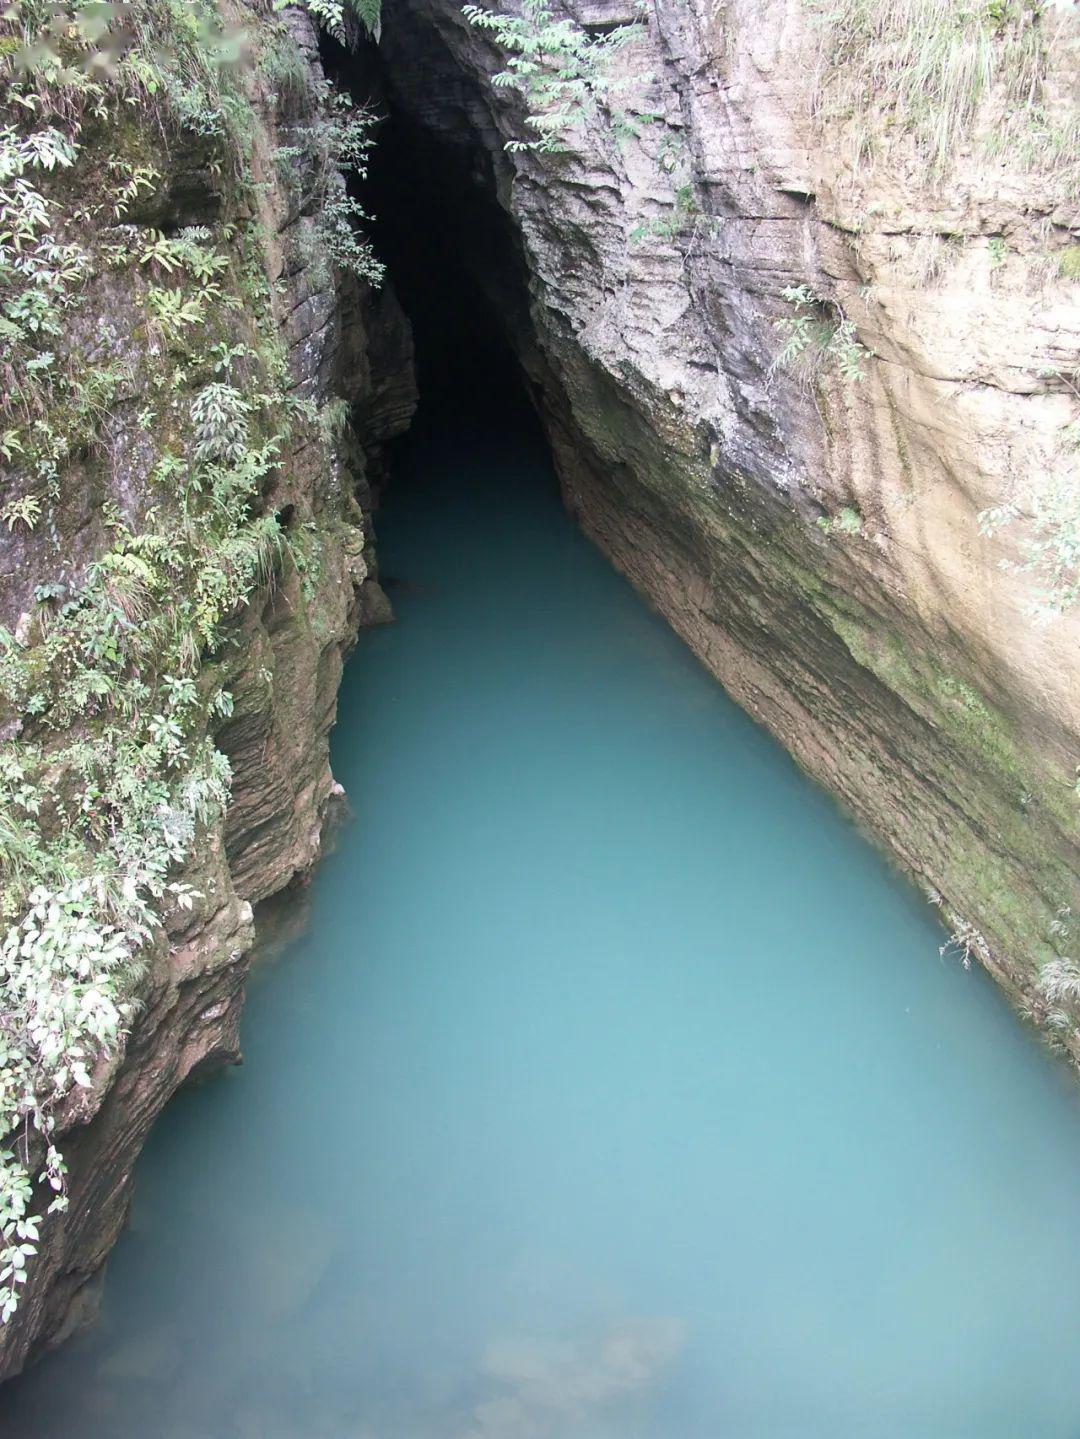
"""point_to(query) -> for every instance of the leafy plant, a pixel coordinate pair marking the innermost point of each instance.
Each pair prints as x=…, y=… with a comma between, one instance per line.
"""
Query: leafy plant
x=818, y=333
x=1059, y=979
x=114, y=689
x=332, y=15
x=999, y=251
x=174, y=310
x=339, y=218
x=25, y=510
x=564, y=71
x=341, y=140
x=1052, y=543
x=1050, y=513
x=185, y=251
x=683, y=216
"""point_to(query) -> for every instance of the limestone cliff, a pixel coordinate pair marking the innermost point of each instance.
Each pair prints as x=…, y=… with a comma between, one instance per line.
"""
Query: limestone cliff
x=793, y=328
x=201, y=273
x=795, y=325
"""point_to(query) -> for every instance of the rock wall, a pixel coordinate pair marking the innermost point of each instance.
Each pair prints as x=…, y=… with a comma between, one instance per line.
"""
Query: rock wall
x=328, y=338
x=814, y=536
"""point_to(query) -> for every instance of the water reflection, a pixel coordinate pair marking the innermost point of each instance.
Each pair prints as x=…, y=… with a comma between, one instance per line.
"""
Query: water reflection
x=547, y=1387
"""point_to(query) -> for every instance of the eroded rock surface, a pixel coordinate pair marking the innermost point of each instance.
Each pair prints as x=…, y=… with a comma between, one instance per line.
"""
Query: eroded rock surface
x=815, y=539
x=283, y=658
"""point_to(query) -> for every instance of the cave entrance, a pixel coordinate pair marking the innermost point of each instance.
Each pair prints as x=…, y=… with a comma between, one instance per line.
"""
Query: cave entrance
x=451, y=254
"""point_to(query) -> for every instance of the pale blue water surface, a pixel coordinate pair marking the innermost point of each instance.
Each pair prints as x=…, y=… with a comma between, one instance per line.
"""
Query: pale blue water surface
x=615, y=1090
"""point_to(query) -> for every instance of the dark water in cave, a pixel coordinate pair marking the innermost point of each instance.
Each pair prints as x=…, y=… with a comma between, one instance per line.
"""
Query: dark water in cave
x=615, y=1089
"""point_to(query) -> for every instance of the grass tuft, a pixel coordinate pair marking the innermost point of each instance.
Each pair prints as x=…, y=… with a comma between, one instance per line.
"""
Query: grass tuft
x=930, y=68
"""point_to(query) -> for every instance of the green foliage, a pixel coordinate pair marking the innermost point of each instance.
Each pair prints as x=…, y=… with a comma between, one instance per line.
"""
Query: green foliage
x=1059, y=984
x=999, y=251
x=174, y=57
x=1051, y=545
x=927, y=68
x=37, y=273
x=818, y=334
x=333, y=16
x=346, y=135
x=564, y=72
x=369, y=13
x=183, y=251
x=1050, y=516
x=341, y=240
x=112, y=683
x=25, y=510
x=684, y=217
x=282, y=65
x=1059, y=979
x=335, y=147
x=846, y=521
x=92, y=825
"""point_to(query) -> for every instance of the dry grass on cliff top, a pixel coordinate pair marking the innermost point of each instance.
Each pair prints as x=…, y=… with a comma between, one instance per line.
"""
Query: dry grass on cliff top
x=999, y=75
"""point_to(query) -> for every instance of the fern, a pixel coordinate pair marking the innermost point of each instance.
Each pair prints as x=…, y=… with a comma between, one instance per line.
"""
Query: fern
x=110, y=675
x=331, y=15
x=369, y=13
x=563, y=71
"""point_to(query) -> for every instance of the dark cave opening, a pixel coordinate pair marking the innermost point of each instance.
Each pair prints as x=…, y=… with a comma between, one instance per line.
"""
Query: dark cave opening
x=451, y=253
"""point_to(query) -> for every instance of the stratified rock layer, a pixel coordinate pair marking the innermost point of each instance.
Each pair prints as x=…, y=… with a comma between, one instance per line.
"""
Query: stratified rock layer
x=815, y=539
x=282, y=663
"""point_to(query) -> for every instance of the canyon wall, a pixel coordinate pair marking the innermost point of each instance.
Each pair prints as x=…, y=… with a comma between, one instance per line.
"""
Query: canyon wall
x=302, y=343
x=790, y=345
x=787, y=354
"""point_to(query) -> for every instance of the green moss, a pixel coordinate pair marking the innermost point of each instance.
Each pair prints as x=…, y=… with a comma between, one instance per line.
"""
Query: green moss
x=846, y=521
x=1069, y=262
x=949, y=701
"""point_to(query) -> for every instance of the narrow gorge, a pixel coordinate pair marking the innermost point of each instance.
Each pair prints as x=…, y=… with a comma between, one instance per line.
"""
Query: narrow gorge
x=317, y=317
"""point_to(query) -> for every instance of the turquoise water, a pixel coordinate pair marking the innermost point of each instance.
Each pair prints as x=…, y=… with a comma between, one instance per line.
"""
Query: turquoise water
x=615, y=1089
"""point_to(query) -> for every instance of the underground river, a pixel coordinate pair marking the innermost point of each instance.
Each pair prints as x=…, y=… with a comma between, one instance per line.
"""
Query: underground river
x=613, y=1087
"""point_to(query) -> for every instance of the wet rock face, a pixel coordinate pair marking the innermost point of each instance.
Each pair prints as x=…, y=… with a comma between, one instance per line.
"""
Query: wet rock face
x=814, y=537
x=282, y=662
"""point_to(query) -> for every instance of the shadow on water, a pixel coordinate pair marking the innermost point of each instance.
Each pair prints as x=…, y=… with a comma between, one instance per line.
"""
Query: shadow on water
x=615, y=1090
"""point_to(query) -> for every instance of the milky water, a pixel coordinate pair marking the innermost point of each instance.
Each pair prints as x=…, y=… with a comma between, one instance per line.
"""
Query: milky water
x=614, y=1090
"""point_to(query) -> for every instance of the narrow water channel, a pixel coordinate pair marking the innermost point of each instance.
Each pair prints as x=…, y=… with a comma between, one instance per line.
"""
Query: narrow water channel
x=615, y=1088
